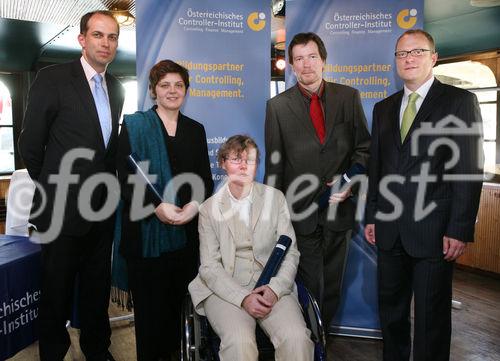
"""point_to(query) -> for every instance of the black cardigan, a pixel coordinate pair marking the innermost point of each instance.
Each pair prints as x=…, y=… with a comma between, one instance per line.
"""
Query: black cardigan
x=187, y=152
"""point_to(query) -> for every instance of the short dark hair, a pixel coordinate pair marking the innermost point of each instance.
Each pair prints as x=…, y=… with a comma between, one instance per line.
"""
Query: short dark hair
x=163, y=67
x=237, y=144
x=428, y=36
x=303, y=39
x=84, y=21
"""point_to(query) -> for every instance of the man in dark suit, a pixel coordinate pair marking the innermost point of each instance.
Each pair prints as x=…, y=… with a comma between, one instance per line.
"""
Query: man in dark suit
x=422, y=200
x=75, y=105
x=315, y=131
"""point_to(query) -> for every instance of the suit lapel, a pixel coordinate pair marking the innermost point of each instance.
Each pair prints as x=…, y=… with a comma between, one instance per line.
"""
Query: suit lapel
x=394, y=112
x=82, y=87
x=114, y=102
x=296, y=105
x=426, y=108
x=227, y=212
x=257, y=204
x=332, y=105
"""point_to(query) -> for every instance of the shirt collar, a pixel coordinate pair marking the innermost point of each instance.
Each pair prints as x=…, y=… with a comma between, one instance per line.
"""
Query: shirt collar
x=89, y=71
x=249, y=196
x=308, y=94
x=422, y=90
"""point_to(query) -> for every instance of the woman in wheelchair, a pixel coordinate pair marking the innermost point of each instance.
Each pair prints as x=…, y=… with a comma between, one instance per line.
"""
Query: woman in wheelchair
x=238, y=228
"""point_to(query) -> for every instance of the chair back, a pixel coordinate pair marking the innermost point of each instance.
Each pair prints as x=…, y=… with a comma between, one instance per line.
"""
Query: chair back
x=19, y=199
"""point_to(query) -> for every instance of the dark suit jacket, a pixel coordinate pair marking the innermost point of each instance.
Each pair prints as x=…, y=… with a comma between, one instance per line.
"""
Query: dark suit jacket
x=61, y=116
x=456, y=201
x=289, y=131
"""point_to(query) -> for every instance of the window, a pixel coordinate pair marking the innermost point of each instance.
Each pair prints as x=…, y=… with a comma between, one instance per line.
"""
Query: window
x=478, y=76
x=130, y=103
x=7, y=164
x=277, y=87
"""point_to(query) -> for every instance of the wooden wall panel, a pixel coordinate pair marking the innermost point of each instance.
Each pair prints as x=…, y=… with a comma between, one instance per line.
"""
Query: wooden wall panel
x=484, y=253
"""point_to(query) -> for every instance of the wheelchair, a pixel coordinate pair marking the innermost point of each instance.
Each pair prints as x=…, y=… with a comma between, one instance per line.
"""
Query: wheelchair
x=200, y=343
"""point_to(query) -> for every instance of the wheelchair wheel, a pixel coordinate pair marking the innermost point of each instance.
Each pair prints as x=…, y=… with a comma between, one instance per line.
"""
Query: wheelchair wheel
x=200, y=343
x=197, y=336
x=312, y=316
x=191, y=335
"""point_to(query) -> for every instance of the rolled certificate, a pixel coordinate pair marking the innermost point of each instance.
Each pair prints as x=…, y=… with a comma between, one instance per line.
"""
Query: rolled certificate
x=133, y=160
x=355, y=170
x=274, y=262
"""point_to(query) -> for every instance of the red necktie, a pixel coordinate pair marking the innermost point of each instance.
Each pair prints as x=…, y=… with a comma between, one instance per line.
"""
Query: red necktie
x=317, y=117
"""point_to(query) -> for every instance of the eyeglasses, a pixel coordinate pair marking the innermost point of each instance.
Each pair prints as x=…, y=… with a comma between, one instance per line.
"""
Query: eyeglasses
x=401, y=54
x=236, y=160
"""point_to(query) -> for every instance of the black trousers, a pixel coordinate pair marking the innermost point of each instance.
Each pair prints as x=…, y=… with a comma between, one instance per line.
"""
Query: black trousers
x=89, y=256
x=159, y=287
x=429, y=281
x=323, y=255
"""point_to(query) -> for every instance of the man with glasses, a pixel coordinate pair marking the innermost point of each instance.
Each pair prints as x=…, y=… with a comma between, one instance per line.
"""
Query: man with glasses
x=422, y=201
x=315, y=131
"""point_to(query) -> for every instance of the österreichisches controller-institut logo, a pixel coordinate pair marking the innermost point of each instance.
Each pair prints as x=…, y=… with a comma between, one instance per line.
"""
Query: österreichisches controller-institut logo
x=407, y=18
x=256, y=21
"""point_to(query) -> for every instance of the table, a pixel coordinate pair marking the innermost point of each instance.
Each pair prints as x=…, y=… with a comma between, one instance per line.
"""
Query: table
x=19, y=293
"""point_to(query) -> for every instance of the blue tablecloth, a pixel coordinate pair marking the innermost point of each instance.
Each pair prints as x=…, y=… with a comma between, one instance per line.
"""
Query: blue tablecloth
x=19, y=293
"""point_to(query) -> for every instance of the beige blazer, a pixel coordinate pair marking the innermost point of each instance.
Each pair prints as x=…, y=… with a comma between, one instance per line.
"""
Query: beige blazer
x=270, y=219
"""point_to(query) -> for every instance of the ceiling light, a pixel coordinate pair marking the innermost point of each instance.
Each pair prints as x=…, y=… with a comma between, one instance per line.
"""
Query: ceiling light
x=124, y=17
x=278, y=7
x=280, y=63
x=280, y=45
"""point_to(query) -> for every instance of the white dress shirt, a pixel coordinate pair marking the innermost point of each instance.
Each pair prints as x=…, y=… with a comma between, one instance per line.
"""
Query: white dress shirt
x=421, y=91
x=242, y=207
x=89, y=74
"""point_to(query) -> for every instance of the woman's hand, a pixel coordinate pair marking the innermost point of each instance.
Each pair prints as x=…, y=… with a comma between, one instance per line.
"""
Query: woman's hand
x=188, y=212
x=268, y=294
x=256, y=305
x=168, y=213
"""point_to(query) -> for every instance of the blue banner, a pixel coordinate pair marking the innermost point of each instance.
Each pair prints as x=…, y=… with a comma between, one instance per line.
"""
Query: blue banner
x=19, y=294
x=360, y=38
x=225, y=46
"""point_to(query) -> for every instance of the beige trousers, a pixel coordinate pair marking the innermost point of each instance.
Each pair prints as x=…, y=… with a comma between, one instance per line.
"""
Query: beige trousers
x=284, y=325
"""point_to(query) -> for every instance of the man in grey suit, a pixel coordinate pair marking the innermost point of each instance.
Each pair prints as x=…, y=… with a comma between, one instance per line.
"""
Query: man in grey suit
x=70, y=106
x=425, y=179
x=315, y=131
